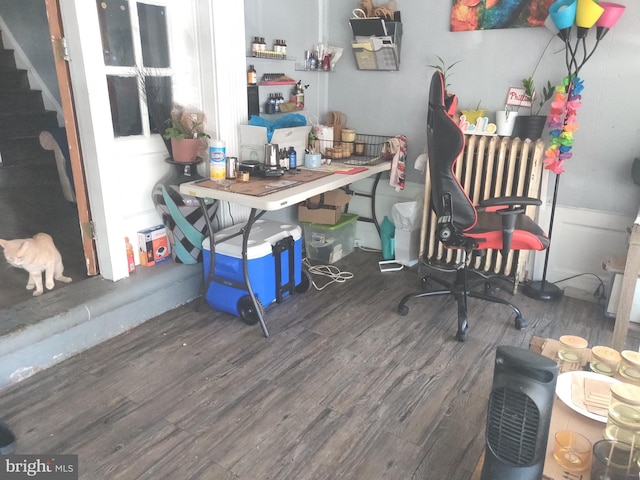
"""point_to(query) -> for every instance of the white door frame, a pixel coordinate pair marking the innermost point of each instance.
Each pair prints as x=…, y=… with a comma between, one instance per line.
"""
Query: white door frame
x=121, y=173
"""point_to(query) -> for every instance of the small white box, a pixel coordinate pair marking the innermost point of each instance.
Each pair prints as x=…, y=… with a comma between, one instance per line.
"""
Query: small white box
x=407, y=243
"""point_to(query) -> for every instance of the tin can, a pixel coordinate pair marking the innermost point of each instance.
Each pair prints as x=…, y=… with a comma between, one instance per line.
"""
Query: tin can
x=231, y=168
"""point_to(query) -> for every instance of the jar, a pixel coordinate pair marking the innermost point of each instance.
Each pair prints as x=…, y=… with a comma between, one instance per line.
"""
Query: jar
x=604, y=360
x=359, y=148
x=629, y=367
x=623, y=418
x=348, y=135
x=572, y=349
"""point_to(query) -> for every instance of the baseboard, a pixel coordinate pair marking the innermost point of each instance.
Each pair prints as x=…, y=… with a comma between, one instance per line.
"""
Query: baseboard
x=65, y=322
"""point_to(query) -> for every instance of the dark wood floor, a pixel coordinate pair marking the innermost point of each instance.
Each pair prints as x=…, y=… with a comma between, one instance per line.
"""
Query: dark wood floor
x=31, y=201
x=344, y=387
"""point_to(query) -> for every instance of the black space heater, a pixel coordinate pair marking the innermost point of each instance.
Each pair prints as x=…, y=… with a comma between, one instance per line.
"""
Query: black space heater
x=519, y=415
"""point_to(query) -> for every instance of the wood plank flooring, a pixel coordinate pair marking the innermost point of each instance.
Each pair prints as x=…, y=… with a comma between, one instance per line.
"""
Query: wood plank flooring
x=343, y=388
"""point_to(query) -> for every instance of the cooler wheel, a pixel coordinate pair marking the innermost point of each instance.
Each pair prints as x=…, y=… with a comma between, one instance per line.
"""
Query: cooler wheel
x=247, y=310
x=305, y=282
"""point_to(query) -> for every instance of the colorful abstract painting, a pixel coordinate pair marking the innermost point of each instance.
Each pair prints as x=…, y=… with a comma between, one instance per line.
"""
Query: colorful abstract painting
x=493, y=14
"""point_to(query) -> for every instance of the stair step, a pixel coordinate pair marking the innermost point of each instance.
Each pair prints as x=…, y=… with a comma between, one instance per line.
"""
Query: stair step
x=24, y=151
x=7, y=59
x=21, y=101
x=14, y=79
x=26, y=124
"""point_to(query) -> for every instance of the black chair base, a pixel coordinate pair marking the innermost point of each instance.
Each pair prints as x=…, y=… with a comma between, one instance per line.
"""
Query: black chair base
x=461, y=291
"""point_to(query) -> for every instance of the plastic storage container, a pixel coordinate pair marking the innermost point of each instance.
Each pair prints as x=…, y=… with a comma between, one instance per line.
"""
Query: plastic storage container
x=330, y=243
x=228, y=292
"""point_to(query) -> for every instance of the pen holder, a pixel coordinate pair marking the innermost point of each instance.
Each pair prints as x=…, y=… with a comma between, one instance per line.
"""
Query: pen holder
x=312, y=160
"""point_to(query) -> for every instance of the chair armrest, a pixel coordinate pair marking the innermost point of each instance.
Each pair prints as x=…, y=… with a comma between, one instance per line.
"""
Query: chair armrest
x=508, y=208
x=509, y=201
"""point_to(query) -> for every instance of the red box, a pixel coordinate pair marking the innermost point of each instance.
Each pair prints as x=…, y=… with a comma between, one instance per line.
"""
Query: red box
x=153, y=245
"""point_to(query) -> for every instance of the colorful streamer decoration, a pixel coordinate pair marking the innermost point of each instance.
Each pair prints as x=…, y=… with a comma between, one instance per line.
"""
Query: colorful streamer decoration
x=563, y=122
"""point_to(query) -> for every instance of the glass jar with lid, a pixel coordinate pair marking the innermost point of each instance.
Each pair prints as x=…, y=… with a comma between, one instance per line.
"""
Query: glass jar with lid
x=623, y=418
x=629, y=367
x=572, y=350
x=604, y=360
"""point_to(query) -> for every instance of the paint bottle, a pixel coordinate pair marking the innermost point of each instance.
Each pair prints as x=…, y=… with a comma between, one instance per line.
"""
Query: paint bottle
x=131, y=261
x=217, y=160
x=293, y=159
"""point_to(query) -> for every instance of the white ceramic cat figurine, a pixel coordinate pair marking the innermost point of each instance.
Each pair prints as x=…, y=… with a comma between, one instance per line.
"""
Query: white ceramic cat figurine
x=36, y=255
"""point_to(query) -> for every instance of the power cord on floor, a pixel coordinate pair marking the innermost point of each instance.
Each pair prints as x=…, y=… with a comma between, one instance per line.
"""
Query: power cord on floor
x=599, y=294
x=331, y=272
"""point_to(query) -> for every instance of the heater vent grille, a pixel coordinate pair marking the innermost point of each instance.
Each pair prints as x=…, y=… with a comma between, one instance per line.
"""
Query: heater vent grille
x=489, y=167
x=512, y=426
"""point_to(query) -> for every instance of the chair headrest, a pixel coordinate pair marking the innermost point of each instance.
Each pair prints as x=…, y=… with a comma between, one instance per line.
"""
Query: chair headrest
x=438, y=96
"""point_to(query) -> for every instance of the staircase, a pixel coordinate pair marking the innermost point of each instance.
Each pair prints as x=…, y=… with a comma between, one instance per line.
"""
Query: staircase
x=22, y=116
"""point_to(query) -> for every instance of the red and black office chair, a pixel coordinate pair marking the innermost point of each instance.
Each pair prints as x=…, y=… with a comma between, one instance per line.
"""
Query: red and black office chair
x=497, y=223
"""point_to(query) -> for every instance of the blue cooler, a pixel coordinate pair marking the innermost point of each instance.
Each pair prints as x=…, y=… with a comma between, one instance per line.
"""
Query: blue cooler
x=268, y=240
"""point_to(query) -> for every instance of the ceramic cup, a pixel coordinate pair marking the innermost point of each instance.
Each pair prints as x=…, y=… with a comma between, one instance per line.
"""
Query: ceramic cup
x=312, y=160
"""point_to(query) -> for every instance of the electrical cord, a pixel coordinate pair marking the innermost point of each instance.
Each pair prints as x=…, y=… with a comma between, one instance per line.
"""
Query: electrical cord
x=329, y=271
x=599, y=293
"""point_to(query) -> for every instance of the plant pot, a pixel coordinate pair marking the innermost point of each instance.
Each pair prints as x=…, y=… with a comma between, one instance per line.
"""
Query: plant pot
x=505, y=121
x=529, y=126
x=184, y=151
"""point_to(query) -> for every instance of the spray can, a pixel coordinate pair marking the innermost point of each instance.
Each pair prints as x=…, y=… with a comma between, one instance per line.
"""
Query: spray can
x=217, y=160
x=131, y=261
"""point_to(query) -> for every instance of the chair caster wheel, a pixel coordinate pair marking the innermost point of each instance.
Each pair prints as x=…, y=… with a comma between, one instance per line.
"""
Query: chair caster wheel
x=489, y=289
x=403, y=309
x=521, y=324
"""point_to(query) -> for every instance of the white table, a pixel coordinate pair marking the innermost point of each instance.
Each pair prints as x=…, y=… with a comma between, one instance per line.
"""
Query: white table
x=274, y=201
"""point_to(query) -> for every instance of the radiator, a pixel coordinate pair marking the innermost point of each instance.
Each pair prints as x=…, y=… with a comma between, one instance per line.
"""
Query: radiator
x=488, y=167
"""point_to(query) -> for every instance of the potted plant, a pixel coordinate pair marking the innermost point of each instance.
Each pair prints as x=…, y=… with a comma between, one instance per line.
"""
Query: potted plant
x=186, y=132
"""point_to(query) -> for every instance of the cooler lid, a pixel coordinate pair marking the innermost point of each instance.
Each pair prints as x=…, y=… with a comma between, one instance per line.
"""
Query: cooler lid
x=264, y=233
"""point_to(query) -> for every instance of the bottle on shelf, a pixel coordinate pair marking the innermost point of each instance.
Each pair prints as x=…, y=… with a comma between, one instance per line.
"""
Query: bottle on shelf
x=255, y=46
x=131, y=260
x=252, y=75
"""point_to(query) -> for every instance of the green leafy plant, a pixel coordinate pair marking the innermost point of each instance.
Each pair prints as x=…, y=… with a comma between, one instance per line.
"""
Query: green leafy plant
x=445, y=69
x=531, y=94
x=184, y=124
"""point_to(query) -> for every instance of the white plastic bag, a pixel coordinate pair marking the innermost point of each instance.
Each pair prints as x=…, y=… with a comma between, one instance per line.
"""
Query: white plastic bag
x=406, y=215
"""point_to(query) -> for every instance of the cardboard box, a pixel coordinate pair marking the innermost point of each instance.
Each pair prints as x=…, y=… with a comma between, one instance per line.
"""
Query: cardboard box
x=153, y=245
x=326, y=208
x=253, y=140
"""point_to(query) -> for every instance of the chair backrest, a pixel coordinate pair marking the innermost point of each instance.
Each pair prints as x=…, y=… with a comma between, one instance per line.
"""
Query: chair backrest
x=445, y=142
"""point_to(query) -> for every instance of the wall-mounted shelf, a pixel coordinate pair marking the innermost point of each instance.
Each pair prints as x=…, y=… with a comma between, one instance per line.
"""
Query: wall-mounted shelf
x=381, y=49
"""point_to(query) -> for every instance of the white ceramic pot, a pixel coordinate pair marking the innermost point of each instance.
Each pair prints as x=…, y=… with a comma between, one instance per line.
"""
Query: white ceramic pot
x=505, y=121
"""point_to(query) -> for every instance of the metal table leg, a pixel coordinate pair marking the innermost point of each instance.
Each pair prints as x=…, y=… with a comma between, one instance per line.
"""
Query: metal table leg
x=245, y=230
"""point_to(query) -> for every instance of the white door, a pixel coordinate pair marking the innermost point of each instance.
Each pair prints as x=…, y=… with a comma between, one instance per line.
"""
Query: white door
x=112, y=45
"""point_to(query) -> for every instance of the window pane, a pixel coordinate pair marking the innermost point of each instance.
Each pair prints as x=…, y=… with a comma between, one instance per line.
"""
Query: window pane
x=125, y=107
x=115, y=28
x=153, y=35
x=158, y=91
